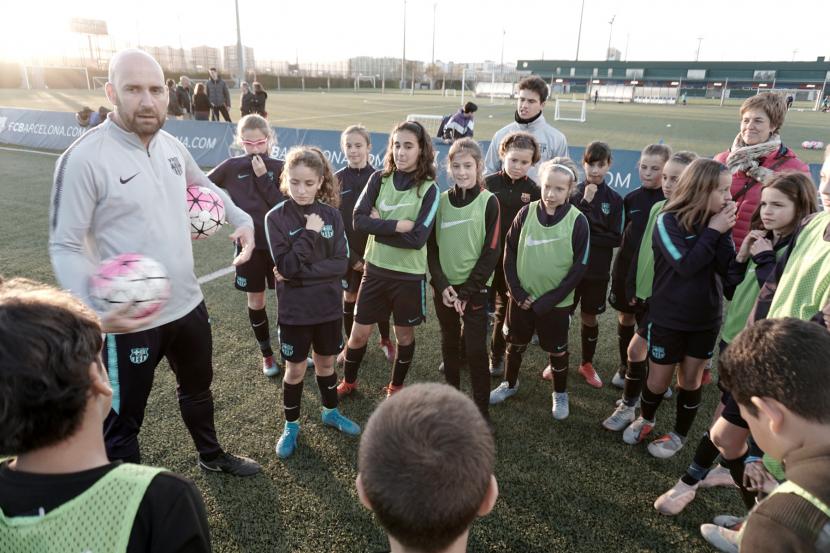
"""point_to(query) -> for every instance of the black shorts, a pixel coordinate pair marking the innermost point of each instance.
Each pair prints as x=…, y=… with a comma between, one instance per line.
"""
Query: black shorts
x=667, y=346
x=730, y=410
x=642, y=322
x=255, y=274
x=552, y=327
x=298, y=340
x=590, y=295
x=404, y=299
x=618, y=298
x=351, y=282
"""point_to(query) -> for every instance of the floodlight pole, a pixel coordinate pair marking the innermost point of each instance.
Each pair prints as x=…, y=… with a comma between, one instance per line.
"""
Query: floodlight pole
x=697, y=55
x=610, y=32
x=240, y=53
x=403, y=55
x=579, y=34
x=501, y=67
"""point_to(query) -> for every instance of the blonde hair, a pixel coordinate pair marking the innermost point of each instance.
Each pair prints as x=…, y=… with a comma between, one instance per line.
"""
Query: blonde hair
x=690, y=199
x=561, y=164
x=313, y=158
x=662, y=150
x=254, y=122
x=771, y=103
x=356, y=129
x=470, y=147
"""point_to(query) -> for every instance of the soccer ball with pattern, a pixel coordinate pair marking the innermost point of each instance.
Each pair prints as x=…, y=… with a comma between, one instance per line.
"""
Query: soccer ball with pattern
x=206, y=210
x=131, y=279
x=812, y=145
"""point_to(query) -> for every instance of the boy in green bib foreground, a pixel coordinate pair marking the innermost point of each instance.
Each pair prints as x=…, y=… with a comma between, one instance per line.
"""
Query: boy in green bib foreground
x=61, y=493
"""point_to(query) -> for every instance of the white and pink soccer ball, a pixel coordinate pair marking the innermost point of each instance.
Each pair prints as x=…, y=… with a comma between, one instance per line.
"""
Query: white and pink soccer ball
x=206, y=210
x=812, y=145
x=130, y=279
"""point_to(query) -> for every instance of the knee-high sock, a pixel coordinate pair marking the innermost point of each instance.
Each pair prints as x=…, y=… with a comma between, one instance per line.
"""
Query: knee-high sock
x=514, y=361
x=634, y=378
x=262, y=332
x=559, y=366
x=736, y=469
x=353, y=359
x=688, y=403
x=705, y=456
x=348, y=317
x=328, y=390
x=589, y=342
x=291, y=396
x=624, y=335
x=649, y=403
x=402, y=363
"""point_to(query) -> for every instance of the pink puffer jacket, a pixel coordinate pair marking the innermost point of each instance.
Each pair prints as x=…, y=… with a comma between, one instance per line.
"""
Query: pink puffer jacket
x=782, y=160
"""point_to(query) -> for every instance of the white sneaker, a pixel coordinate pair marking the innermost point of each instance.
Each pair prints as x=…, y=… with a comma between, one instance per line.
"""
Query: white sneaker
x=618, y=381
x=637, y=431
x=503, y=392
x=535, y=339
x=675, y=500
x=666, y=445
x=720, y=538
x=728, y=521
x=560, y=409
x=622, y=416
x=668, y=393
x=718, y=477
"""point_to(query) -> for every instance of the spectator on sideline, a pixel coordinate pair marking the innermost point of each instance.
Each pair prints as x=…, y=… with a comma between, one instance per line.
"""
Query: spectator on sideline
x=219, y=96
x=55, y=395
x=260, y=97
x=425, y=467
x=184, y=93
x=174, y=110
x=201, y=103
x=246, y=99
x=533, y=92
x=94, y=215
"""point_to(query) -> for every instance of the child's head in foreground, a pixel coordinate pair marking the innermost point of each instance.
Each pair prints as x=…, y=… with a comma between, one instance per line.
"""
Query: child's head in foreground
x=425, y=466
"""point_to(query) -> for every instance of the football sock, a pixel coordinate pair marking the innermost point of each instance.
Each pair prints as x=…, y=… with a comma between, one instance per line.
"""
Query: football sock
x=348, y=317
x=328, y=390
x=291, y=396
x=688, y=403
x=559, y=366
x=589, y=342
x=262, y=333
x=514, y=361
x=634, y=382
x=402, y=362
x=624, y=335
x=649, y=402
x=383, y=329
x=736, y=469
x=353, y=359
x=705, y=456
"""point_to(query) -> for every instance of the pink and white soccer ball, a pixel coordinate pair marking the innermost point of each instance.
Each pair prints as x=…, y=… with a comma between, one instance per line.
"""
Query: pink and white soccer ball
x=206, y=210
x=812, y=145
x=133, y=279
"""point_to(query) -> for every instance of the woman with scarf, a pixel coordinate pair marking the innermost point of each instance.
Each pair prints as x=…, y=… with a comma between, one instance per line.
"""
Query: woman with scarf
x=756, y=154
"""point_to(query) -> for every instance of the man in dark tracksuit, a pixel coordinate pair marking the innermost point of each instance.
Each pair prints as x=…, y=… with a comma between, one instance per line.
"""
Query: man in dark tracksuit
x=512, y=196
x=219, y=96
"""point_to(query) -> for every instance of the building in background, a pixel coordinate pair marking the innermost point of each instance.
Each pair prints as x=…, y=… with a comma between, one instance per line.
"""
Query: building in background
x=203, y=58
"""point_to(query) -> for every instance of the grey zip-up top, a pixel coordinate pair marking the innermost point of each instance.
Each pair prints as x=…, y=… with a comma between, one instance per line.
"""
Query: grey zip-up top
x=111, y=195
x=552, y=143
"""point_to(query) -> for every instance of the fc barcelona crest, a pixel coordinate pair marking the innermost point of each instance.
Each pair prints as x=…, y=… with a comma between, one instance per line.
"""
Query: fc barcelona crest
x=327, y=231
x=606, y=208
x=525, y=197
x=658, y=352
x=139, y=355
x=175, y=165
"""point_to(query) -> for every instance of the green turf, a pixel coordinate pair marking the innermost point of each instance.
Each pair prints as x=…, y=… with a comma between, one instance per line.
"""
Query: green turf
x=565, y=486
x=704, y=127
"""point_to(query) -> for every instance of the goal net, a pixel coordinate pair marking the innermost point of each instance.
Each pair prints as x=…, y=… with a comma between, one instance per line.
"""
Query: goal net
x=450, y=92
x=494, y=90
x=364, y=81
x=429, y=122
x=99, y=82
x=569, y=110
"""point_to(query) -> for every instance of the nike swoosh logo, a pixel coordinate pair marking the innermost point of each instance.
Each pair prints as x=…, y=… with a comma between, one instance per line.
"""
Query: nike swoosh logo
x=415, y=320
x=592, y=340
x=448, y=224
x=332, y=387
x=634, y=211
x=125, y=181
x=245, y=176
x=295, y=231
x=532, y=242
x=386, y=207
x=344, y=192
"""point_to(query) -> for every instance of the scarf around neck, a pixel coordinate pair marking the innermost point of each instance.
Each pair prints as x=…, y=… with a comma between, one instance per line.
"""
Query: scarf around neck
x=747, y=158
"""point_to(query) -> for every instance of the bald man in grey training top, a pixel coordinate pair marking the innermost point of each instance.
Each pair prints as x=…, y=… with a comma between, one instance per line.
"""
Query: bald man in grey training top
x=120, y=188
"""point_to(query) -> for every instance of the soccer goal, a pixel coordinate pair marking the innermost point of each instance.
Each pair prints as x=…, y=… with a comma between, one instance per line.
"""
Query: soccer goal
x=450, y=92
x=360, y=79
x=569, y=110
x=99, y=82
x=430, y=122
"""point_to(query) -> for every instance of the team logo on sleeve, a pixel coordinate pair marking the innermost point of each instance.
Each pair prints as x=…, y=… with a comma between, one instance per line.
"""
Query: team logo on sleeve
x=525, y=197
x=327, y=231
x=658, y=352
x=175, y=165
x=139, y=355
x=606, y=208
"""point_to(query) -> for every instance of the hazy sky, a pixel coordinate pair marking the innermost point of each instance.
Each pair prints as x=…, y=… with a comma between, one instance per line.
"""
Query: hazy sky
x=318, y=30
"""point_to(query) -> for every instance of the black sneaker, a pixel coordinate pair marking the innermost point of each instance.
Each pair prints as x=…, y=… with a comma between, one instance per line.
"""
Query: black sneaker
x=231, y=464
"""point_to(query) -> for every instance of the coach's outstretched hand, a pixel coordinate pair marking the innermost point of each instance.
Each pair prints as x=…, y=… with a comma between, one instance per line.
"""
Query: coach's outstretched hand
x=245, y=235
x=117, y=321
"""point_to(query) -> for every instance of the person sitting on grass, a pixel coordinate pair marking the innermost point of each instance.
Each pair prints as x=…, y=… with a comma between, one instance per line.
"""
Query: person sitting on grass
x=60, y=492
x=777, y=371
x=449, y=482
